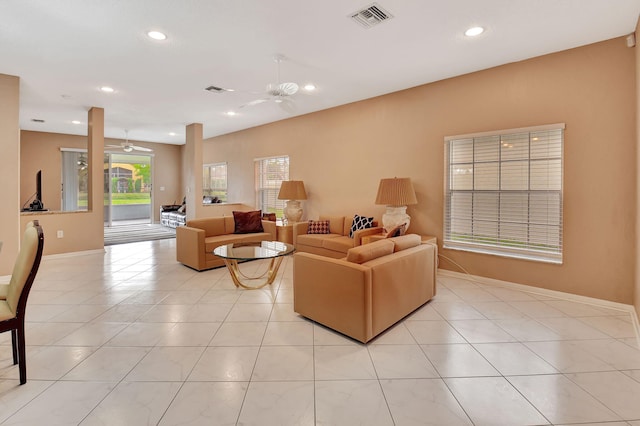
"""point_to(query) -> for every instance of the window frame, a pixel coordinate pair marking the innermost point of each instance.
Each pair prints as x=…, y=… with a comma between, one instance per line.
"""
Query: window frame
x=460, y=223
x=206, y=181
x=267, y=189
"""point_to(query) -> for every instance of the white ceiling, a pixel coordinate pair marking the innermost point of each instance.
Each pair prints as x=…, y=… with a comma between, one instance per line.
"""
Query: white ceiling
x=65, y=50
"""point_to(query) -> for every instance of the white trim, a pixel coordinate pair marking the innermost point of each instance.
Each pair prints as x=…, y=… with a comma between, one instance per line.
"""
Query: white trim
x=74, y=254
x=270, y=157
x=73, y=149
x=630, y=309
x=503, y=132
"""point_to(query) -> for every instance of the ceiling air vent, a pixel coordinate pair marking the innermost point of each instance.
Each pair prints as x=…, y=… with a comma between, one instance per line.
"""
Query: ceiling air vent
x=214, y=89
x=371, y=15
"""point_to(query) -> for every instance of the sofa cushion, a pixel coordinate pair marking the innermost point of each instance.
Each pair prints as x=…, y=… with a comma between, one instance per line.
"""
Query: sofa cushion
x=336, y=224
x=213, y=242
x=318, y=227
x=247, y=222
x=212, y=226
x=360, y=222
x=340, y=244
x=367, y=252
x=406, y=241
x=219, y=240
x=314, y=240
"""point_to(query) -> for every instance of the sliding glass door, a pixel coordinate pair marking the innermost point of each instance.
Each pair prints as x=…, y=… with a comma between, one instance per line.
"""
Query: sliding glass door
x=128, y=189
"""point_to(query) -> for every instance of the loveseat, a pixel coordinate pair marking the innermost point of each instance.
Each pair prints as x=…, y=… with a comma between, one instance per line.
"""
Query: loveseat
x=195, y=241
x=336, y=242
x=368, y=291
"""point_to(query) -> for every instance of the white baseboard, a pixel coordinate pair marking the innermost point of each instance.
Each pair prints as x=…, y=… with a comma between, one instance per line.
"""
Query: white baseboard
x=630, y=309
x=73, y=254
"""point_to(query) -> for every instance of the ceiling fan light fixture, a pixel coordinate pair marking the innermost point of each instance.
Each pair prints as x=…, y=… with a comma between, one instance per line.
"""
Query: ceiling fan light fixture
x=127, y=148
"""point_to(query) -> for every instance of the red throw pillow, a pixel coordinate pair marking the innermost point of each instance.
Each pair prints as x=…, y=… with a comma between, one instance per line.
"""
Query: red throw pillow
x=318, y=227
x=247, y=222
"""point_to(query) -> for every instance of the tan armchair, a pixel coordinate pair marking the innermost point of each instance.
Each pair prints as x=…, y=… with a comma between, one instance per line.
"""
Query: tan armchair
x=374, y=287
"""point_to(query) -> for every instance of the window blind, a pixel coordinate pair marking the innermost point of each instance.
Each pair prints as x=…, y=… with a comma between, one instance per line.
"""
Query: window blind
x=503, y=193
x=269, y=174
x=214, y=180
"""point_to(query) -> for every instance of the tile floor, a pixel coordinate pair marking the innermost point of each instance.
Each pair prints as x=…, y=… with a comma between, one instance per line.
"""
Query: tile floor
x=130, y=337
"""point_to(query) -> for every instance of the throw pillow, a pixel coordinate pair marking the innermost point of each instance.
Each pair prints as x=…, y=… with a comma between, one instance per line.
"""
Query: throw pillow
x=247, y=222
x=397, y=231
x=318, y=227
x=271, y=217
x=360, y=222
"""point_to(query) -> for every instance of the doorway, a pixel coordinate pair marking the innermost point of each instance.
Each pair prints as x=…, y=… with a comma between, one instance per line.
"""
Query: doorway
x=128, y=192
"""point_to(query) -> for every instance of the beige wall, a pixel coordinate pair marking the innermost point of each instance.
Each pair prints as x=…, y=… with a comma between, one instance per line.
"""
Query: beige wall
x=10, y=171
x=637, y=258
x=342, y=153
x=83, y=230
x=41, y=151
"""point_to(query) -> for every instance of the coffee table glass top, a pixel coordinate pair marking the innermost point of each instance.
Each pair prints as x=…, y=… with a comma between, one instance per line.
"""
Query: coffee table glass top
x=250, y=251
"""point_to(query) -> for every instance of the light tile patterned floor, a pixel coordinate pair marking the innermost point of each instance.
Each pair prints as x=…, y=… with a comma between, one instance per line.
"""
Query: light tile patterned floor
x=131, y=337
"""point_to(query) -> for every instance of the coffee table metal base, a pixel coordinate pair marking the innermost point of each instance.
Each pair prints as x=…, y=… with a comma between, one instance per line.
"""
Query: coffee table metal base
x=242, y=280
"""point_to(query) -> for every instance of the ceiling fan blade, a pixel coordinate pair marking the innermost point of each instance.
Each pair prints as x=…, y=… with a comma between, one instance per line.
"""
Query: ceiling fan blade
x=141, y=148
x=255, y=102
x=113, y=146
x=287, y=105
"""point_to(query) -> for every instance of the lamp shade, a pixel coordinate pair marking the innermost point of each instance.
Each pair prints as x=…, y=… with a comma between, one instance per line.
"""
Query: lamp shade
x=396, y=192
x=292, y=190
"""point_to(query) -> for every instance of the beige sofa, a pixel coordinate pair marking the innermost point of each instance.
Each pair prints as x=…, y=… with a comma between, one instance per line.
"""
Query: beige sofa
x=336, y=243
x=374, y=287
x=195, y=241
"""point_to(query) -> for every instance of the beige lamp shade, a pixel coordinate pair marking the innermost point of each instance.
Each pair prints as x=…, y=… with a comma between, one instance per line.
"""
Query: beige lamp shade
x=292, y=190
x=396, y=192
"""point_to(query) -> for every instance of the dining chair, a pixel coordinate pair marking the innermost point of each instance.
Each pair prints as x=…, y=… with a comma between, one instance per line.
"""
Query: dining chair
x=13, y=306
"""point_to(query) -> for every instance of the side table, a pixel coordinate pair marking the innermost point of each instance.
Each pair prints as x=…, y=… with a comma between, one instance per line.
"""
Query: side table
x=284, y=233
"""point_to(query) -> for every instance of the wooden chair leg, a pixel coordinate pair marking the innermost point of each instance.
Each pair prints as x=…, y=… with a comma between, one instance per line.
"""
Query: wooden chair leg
x=22, y=354
x=14, y=345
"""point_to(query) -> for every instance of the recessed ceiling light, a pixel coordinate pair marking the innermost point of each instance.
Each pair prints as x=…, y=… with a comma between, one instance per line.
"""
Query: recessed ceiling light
x=172, y=133
x=474, y=31
x=76, y=122
x=310, y=87
x=107, y=89
x=157, y=35
x=230, y=113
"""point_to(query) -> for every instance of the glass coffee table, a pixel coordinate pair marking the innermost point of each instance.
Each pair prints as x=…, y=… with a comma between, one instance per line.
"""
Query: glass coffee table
x=239, y=252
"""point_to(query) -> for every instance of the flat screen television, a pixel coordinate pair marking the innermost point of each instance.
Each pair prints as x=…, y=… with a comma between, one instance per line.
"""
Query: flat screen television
x=37, y=205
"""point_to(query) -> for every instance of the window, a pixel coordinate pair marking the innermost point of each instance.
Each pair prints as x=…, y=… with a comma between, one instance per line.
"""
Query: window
x=269, y=174
x=503, y=193
x=214, y=182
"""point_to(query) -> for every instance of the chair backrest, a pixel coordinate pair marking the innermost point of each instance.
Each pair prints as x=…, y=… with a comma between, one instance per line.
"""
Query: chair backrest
x=26, y=267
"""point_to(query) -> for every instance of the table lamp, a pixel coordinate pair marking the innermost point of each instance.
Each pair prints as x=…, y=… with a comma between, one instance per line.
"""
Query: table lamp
x=396, y=194
x=293, y=191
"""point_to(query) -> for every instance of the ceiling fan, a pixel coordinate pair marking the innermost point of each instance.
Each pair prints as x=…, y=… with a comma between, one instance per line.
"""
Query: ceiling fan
x=279, y=92
x=127, y=146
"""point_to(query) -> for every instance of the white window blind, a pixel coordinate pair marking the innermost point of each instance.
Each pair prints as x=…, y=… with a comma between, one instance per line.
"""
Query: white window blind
x=269, y=174
x=214, y=181
x=503, y=193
